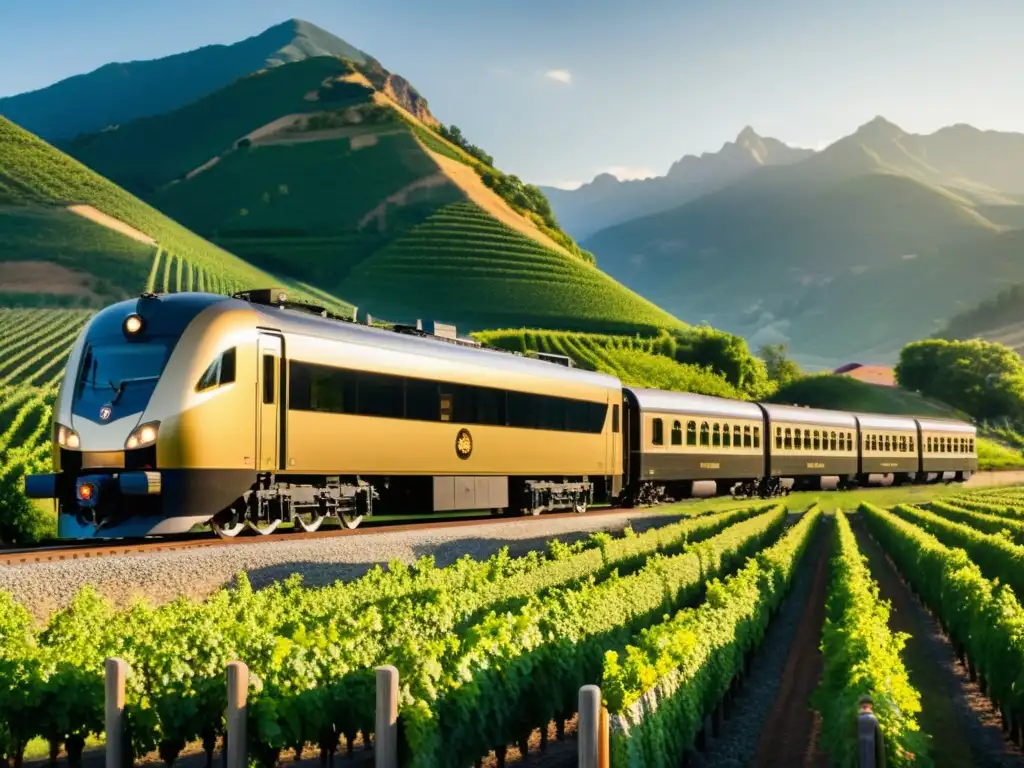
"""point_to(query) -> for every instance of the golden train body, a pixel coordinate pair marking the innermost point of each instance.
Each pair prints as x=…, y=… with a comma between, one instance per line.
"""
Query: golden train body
x=249, y=411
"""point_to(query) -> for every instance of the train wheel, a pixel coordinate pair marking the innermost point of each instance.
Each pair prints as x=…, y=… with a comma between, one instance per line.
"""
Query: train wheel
x=314, y=522
x=264, y=528
x=350, y=520
x=228, y=530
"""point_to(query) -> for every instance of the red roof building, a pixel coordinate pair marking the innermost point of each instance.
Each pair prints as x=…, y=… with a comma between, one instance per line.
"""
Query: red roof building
x=869, y=374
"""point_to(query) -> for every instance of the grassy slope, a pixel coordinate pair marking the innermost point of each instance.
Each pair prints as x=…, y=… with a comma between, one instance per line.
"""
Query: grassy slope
x=359, y=207
x=38, y=182
x=144, y=154
x=462, y=264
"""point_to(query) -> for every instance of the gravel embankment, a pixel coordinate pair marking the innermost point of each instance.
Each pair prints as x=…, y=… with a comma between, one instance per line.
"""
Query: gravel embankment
x=195, y=573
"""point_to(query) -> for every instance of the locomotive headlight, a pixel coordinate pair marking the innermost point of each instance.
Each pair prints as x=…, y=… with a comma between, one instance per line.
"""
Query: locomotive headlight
x=67, y=437
x=132, y=325
x=143, y=435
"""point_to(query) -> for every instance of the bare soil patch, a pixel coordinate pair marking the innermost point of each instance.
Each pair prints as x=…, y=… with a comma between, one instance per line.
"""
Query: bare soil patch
x=98, y=217
x=790, y=731
x=43, y=277
x=470, y=182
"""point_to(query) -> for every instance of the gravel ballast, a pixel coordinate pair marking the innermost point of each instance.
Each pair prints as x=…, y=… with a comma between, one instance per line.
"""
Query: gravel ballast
x=196, y=573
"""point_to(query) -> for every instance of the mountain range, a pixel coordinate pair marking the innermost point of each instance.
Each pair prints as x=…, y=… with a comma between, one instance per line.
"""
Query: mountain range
x=293, y=155
x=290, y=156
x=850, y=251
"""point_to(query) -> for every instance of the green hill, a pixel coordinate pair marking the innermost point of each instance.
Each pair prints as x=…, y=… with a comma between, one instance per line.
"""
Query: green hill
x=122, y=91
x=854, y=237
x=72, y=237
x=334, y=173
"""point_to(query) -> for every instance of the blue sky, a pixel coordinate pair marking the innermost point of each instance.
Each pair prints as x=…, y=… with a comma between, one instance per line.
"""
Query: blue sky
x=560, y=90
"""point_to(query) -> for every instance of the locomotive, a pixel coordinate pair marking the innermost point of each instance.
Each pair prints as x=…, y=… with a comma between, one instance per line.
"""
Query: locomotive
x=248, y=411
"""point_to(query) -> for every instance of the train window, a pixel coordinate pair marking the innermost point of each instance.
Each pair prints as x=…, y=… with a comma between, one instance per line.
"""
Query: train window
x=727, y=436
x=833, y=443
x=269, y=379
x=423, y=400
x=716, y=435
x=910, y=444
x=737, y=439
x=798, y=439
x=705, y=433
x=757, y=437
x=677, y=433
x=220, y=372
x=778, y=437
x=789, y=438
x=657, y=432
x=928, y=445
x=817, y=440
x=691, y=433
x=972, y=444
x=903, y=443
x=889, y=447
x=381, y=395
x=615, y=418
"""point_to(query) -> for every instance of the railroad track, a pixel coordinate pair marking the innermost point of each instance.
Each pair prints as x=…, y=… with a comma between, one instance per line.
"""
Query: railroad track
x=49, y=553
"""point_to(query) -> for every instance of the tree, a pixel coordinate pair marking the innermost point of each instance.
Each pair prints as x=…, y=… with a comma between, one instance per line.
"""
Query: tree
x=780, y=368
x=983, y=378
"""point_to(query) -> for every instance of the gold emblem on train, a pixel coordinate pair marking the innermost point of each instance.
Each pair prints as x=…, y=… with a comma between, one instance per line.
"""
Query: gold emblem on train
x=463, y=444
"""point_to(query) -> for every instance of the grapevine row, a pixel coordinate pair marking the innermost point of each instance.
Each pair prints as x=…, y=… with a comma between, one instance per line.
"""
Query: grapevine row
x=319, y=646
x=982, y=618
x=997, y=556
x=862, y=656
x=687, y=663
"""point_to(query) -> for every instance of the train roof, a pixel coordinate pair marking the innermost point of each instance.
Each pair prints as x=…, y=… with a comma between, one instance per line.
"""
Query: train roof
x=882, y=421
x=300, y=322
x=947, y=425
x=688, y=403
x=819, y=416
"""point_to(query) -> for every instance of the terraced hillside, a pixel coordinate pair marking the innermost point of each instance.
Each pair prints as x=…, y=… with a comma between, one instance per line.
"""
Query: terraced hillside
x=72, y=237
x=334, y=173
x=462, y=259
x=699, y=360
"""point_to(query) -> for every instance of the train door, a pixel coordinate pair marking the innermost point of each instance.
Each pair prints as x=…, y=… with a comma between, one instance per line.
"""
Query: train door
x=269, y=391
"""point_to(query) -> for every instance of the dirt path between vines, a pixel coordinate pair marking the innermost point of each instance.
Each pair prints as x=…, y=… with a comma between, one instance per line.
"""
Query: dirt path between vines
x=789, y=735
x=964, y=727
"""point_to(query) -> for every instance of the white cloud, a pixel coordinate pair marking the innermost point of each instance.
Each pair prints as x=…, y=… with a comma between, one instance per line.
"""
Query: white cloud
x=559, y=76
x=629, y=172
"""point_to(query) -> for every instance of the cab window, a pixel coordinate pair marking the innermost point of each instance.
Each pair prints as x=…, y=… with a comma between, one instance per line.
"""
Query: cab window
x=220, y=372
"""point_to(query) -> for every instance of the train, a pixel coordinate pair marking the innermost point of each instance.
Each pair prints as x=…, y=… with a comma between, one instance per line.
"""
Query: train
x=250, y=411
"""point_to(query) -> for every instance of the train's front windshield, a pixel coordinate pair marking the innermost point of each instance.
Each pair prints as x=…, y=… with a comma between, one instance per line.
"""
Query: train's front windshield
x=120, y=375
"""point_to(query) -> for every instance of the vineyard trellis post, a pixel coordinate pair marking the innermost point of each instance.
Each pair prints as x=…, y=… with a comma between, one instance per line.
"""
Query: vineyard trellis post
x=238, y=691
x=116, y=675
x=869, y=736
x=592, y=729
x=385, y=737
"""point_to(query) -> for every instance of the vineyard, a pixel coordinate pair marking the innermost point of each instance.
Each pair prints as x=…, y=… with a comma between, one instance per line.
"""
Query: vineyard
x=461, y=261
x=491, y=654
